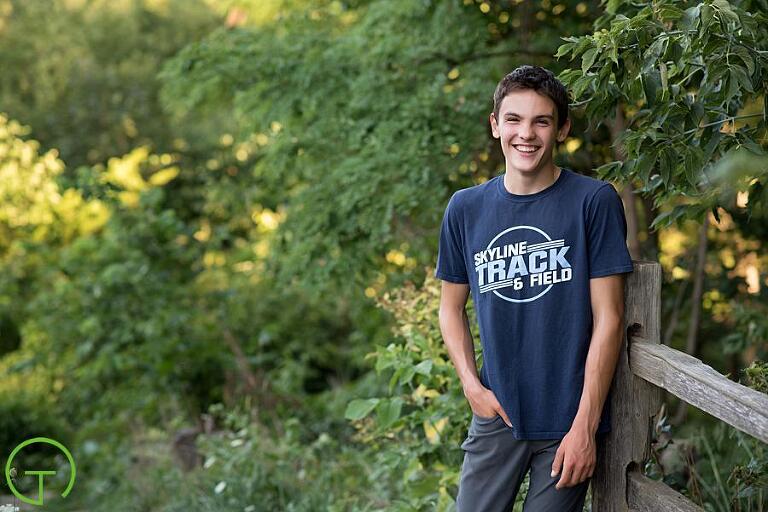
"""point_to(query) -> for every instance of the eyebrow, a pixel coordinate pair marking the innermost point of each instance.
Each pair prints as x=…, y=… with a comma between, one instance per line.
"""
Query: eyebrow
x=543, y=116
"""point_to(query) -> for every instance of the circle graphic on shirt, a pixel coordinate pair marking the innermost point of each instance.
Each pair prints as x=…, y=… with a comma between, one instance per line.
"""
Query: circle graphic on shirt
x=521, y=264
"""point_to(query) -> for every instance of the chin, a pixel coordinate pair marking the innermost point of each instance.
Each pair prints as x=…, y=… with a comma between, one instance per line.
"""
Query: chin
x=527, y=168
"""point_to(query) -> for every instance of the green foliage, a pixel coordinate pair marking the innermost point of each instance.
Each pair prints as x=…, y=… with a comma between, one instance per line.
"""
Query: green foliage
x=692, y=81
x=368, y=122
x=745, y=486
x=136, y=309
x=251, y=467
x=715, y=465
x=83, y=73
x=247, y=468
x=229, y=252
x=423, y=417
x=22, y=416
x=119, y=305
x=750, y=329
x=29, y=196
x=10, y=338
x=36, y=218
x=756, y=376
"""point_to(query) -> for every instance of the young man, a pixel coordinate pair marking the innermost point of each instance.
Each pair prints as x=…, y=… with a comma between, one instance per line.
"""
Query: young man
x=542, y=250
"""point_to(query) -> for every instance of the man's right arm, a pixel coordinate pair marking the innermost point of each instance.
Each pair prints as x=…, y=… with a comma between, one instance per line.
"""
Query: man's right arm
x=454, y=326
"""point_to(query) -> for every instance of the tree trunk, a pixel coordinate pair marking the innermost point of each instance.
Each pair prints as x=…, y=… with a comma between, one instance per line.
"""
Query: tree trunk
x=627, y=192
x=650, y=246
x=633, y=227
x=692, y=342
x=672, y=324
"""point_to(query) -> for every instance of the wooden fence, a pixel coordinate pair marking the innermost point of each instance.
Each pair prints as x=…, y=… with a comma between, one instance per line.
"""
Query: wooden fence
x=645, y=367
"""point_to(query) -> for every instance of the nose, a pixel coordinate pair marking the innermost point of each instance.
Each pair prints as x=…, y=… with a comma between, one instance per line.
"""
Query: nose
x=525, y=131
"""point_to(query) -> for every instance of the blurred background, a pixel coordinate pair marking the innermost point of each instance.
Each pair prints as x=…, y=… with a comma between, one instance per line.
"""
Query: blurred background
x=219, y=222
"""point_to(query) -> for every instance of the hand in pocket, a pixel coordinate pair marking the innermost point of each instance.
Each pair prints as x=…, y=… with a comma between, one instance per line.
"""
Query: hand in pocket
x=484, y=404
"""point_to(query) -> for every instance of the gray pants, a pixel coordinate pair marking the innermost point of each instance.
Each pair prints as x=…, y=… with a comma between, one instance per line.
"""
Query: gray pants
x=495, y=464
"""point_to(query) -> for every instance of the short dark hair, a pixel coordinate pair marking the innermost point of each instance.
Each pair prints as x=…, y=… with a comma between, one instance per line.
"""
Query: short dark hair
x=539, y=79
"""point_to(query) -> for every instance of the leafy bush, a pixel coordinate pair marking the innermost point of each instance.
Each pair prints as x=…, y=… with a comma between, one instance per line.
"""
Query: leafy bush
x=424, y=417
x=250, y=467
x=23, y=416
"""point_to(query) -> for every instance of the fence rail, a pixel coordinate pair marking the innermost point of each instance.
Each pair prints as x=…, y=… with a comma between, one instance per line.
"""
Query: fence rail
x=645, y=367
x=701, y=386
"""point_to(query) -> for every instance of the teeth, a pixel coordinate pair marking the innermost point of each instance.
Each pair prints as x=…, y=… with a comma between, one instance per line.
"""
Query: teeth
x=526, y=149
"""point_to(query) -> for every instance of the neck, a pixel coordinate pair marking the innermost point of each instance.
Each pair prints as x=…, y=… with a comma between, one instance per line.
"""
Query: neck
x=524, y=184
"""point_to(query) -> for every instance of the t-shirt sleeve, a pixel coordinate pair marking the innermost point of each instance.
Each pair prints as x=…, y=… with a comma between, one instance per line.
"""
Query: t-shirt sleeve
x=607, y=234
x=450, y=253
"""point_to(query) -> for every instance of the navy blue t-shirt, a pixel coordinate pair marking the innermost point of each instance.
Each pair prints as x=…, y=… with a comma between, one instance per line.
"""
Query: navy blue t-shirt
x=528, y=260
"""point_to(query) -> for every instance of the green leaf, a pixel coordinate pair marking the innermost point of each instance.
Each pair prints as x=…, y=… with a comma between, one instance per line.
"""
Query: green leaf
x=424, y=367
x=666, y=165
x=661, y=220
x=612, y=6
x=584, y=43
x=388, y=412
x=664, y=79
x=610, y=170
x=407, y=375
x=569, y=75
x=695, y=115
x=745, y=57
x=644, y=164
x=754, y=147
x=712, y=135
x=692, y=164
x=588, y=59
x=674, y=53
x=652, y=54
x=724, y=9
x=707, y=16
x=581, y=85
x=394, y=379
x=425, y=486
x=651, y=85
x=563, y=49
x=613, y=54
x=739, y=76
x=690, y=18
x=653, y=183
x=668, y=218
x=360, y=408
x=669, y=13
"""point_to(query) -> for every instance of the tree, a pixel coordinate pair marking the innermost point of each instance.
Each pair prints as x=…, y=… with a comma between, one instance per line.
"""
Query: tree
x=370, y=114
x=692, y=85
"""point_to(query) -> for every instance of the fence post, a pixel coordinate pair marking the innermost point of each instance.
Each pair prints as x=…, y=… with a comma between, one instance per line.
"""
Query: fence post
x=633, y=401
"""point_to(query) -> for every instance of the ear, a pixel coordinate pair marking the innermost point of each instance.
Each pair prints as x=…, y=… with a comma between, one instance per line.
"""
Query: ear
x=494, y=126
x=562, y=133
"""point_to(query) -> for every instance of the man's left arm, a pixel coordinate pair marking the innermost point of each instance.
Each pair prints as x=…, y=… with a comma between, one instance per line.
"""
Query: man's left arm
x=577, y=452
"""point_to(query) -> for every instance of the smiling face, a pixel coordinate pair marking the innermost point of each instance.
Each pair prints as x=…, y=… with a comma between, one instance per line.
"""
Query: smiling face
x=527, y=129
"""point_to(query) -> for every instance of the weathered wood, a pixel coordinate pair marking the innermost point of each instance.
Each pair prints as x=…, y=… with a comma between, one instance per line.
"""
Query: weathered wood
x=701, y=386
x=644, y=368
x=646, y=495
x=633, y=401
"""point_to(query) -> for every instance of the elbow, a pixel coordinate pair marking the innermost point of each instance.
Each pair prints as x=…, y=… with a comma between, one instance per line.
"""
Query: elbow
x=609, y=320
x=448, y=312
